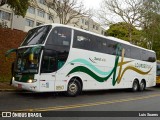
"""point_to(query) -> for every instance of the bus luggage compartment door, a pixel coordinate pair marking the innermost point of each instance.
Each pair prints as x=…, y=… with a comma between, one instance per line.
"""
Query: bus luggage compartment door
x=47, y=82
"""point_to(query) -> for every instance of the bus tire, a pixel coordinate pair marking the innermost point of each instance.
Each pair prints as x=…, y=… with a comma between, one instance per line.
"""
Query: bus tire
x=142, y=86
x=135, y=86
x=74, y=88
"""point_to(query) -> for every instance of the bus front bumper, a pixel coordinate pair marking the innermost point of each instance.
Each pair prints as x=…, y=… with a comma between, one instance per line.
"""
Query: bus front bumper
x=26, y=86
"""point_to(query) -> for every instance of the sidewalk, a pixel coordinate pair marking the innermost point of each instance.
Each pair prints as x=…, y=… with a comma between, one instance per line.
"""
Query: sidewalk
x=6, y=87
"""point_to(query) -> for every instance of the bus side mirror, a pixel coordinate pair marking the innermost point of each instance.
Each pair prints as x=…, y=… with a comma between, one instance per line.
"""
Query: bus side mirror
x=9, y=52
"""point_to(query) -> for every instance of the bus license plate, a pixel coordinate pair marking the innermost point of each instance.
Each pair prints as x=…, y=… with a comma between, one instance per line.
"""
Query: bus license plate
x=19, y=85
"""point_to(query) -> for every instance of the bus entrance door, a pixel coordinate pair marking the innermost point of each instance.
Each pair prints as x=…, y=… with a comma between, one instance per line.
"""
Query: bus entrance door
x=48, y=70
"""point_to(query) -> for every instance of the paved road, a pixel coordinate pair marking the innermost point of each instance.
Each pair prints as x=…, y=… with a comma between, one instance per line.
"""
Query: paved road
x=109, y=100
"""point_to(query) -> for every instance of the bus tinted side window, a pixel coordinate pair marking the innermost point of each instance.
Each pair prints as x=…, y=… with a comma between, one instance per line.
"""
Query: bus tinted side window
x=127, y=49
x=100, y=45
x=144, y=55
x=151, y=57
x=135, y=53
x=94, y=43
x=82, y=40
x=148, y=56
x=60, y=36
x=111, y=47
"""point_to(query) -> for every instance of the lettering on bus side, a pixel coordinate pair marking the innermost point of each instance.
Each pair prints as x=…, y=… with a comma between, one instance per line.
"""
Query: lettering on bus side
x=140, y=65
x=99, y=59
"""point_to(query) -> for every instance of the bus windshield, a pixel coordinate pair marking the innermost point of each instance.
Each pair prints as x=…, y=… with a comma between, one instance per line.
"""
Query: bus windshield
x=24, y=64
x=37, y=35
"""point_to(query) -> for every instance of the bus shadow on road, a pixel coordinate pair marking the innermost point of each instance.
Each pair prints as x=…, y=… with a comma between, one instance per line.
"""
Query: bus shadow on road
x=39, y=95
x=55, y=95
x=114, y=91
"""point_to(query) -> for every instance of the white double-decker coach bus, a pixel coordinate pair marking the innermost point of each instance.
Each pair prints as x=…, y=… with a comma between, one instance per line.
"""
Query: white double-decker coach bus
x=57, y=57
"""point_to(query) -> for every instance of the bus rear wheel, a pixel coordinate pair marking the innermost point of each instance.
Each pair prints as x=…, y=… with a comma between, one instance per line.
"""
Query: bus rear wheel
x=74, y=88
x=135, y=86
x=142, y=86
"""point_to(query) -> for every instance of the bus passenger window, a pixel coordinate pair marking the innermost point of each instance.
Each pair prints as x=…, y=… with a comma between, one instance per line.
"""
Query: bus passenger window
x=82, y=40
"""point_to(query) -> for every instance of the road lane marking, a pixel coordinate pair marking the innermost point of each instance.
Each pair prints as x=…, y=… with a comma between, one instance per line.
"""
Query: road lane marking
x=65, y=107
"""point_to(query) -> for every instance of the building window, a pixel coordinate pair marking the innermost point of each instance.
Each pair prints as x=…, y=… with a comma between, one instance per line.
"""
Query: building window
x=49, y=17
x=95, y=27
x=5, y=15
x=83, y=21
x=38, y=23
x=29, y=23
x=41, y=13
x=31, y=10
x=102, y=32
x=42, y=1
x=86, y=22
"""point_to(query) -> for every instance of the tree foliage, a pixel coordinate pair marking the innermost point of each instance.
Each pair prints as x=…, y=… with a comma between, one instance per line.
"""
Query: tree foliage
x=18, y=6
x=120, y=30
x=144, y=14
x=151, y=25
x=127, y=11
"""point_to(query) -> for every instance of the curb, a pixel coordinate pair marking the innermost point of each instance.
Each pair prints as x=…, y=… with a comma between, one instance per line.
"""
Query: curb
x=7, y=90
x=11, y=90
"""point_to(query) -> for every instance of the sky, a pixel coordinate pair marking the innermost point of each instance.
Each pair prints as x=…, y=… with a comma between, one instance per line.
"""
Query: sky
x=95, y=4
x=92, y=4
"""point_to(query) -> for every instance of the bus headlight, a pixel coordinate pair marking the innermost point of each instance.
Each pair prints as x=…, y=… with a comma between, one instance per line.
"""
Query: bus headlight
x=13, y=78
x=31, y=81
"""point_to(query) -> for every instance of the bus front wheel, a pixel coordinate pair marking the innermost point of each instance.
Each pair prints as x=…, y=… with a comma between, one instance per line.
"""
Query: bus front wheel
x=74, y=88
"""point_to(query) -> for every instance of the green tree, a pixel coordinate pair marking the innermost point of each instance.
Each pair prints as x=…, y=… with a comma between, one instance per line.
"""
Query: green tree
x=127, y=11
x=151, y=25
x=151, y=33
x=120, y=30
x=18, y=6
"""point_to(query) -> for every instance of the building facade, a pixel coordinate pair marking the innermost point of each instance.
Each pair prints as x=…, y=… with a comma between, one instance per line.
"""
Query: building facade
x=36, y=16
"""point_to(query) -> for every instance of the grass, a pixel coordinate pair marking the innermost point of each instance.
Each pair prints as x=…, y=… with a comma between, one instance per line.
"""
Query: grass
x=5, y=82
x=5, y=79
